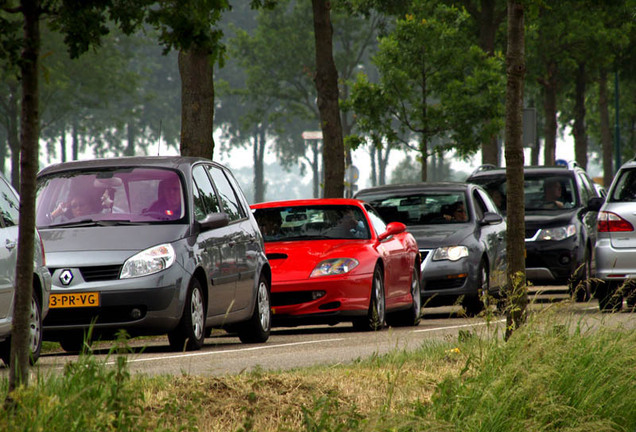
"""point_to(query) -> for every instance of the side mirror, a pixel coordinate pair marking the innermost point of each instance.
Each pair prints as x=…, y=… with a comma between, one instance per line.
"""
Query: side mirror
x=595, y=203
x=392, y=229
x=214, y=220
x=491, y=218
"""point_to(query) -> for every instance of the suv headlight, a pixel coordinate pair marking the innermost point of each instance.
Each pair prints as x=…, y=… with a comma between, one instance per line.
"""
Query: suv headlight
x=147, y=262
x=334, y=266
x=451, y=253
x=558, y=233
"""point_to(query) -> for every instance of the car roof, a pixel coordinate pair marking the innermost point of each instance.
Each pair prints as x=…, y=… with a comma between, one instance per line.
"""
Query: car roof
x=308, y=202
x=413, y=187
x=172, y=162
x=531, y=169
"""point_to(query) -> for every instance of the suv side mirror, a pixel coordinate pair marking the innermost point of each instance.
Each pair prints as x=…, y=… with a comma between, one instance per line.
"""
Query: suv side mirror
x=491, y=218
x=595, y=203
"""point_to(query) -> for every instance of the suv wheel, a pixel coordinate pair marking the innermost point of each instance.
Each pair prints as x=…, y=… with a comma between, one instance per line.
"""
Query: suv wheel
x=580, y=288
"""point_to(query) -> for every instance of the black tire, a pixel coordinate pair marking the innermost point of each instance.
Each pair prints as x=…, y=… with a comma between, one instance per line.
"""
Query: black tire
x=413, y=315
x=474, y=304
x=609, y=297
x=581, y=286
x=35, y=334
x=74, y=342
x=376, y=313
x=259, y=326
x=189, y=335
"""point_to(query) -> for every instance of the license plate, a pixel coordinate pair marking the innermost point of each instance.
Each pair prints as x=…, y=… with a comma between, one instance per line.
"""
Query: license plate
x=87, y=299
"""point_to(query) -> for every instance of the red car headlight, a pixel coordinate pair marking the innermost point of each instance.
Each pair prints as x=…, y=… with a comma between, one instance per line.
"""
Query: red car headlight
x=334, y=266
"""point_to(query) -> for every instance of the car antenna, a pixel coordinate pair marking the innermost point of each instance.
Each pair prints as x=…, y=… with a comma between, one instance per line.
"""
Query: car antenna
x=159, y=143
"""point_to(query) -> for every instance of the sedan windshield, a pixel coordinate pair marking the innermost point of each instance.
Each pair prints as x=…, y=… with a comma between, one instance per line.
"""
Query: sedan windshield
x=124, y=195
x=435, y=207
x=312, y=223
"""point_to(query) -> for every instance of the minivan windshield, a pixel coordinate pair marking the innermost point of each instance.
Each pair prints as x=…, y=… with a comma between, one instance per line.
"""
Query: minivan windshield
x=110, y=196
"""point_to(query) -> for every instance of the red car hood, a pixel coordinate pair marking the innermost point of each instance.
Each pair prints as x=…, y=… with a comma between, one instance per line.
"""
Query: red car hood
x=295, y=260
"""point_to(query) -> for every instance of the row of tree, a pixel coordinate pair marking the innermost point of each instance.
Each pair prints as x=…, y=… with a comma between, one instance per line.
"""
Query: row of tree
x=421, y=74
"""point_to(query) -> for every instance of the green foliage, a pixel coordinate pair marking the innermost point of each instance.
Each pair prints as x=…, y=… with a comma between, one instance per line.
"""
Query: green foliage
x=434, y=83
x=546, y=379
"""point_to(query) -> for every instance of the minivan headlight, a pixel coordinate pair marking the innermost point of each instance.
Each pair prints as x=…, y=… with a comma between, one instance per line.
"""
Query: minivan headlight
x=451, y=253
x=557, y=234
x=147, y=262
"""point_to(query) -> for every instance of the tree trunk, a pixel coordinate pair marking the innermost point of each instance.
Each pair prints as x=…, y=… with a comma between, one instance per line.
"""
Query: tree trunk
x=13, y=134
x=423, y=159
x=373, y=153
x=384, y=162
x=516, y=290
x=259, y=164
x=29, y=150
x=63, y=146
x=75, y=144
x=580, y=133
x=550, y=111
x=327, y=90
x=197, y=103
x=489, y=19
x=606, y=134
x=130, y=140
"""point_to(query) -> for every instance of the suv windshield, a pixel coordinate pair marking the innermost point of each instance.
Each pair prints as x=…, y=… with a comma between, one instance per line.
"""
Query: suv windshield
x=545, y=191
x=125, y=195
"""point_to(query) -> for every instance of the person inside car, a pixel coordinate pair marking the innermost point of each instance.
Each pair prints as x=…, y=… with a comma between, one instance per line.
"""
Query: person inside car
x=168, y=203
x=456, y=212
x=78, y=206
x=552, y=194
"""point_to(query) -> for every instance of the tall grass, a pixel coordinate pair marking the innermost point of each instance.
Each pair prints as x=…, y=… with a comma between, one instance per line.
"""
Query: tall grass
x=551, y=375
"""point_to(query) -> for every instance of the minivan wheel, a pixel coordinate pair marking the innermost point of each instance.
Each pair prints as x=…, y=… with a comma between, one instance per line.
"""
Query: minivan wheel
x=73, y=341
x=190, y=333
x=257, y=329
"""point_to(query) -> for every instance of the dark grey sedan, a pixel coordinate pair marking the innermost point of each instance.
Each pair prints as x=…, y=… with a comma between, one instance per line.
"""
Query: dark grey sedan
x=461, y=236
x=151, y=245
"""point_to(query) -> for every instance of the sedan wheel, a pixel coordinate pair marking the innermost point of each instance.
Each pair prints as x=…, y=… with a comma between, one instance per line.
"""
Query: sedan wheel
x=190, y=333
x=376, y=313
x=474, y=304
x=411, y=316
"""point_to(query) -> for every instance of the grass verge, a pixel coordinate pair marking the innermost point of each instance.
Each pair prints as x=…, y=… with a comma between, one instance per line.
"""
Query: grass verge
x=547, y=377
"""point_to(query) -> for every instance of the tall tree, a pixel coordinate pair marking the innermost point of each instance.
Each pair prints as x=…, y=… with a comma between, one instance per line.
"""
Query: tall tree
x=326, y=80
x=516, y=290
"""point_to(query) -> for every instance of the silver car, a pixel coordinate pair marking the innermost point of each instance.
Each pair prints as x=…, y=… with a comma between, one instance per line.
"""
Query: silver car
x=9, y=205
x=151, y=245
x=616, y=242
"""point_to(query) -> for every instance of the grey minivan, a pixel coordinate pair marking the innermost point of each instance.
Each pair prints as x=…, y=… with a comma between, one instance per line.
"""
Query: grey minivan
x=151, y=245
x=9, y=225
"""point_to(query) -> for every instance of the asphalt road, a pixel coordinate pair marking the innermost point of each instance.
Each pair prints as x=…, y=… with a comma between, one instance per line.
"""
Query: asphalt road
x=296, y=347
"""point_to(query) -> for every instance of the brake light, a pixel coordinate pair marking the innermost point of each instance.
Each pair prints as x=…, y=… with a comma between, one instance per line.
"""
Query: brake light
x=611, y=222
x=42, y=249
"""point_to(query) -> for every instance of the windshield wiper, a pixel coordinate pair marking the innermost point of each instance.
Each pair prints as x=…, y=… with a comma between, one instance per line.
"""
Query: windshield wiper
x=91, y=222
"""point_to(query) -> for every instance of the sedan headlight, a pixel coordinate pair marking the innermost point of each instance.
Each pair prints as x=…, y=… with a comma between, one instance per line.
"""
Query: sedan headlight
x=559, y=233
x=147, y=262
x=334, y=266
x=451, y=253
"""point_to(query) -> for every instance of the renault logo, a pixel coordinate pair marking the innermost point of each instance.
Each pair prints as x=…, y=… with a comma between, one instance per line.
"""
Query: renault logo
x=66, y=277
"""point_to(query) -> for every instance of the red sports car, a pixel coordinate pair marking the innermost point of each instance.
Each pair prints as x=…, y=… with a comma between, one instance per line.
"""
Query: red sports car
x=336, y=260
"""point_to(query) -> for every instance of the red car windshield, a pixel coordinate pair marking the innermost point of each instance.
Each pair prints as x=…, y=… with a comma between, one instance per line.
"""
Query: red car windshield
x=312, y=223
x=137, y=195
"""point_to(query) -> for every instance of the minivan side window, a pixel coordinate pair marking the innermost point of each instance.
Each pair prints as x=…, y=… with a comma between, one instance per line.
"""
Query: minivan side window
x=205, y=200
x=228, y=197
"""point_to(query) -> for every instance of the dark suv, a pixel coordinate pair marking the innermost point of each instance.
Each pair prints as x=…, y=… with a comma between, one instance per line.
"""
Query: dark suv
x=560, y=223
